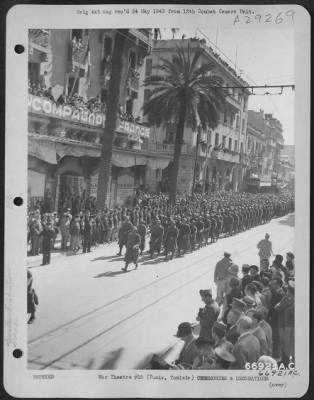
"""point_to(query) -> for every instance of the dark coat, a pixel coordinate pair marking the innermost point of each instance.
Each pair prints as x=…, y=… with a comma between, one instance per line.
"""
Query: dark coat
x=246, y=349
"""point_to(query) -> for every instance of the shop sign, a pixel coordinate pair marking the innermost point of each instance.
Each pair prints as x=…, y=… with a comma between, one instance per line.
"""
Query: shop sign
x=132, y=129
x=46, y=106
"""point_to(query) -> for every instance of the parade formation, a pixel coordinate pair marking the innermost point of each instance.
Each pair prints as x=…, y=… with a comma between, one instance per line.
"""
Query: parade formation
x=195, y=221
x=251, y=318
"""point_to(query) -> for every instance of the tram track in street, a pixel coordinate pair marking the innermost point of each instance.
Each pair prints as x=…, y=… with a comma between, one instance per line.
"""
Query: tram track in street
x=63, y=327
x=103, y=306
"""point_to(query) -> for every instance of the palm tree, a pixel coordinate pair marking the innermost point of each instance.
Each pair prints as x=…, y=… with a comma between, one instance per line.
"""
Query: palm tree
x=111, y=117
x=186, y=93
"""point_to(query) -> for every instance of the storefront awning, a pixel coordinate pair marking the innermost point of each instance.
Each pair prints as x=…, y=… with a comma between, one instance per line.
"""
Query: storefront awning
x=128, y=160
x=157, y=164
x=76, y=151
x=42, y=149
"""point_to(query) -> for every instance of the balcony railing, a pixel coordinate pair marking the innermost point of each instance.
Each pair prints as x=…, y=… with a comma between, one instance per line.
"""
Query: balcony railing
x=166, y=148
x=233, y=102
x=144, y=36
x=225, y=156
x=45, y=107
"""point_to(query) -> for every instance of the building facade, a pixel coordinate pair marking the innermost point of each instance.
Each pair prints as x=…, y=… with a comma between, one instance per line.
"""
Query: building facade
x=69, y=72
x=212, y=155
x=264, y=144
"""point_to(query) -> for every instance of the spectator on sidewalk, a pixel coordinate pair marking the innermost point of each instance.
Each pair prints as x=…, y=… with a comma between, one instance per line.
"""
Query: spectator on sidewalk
x=265, y=249
x=207, y=315
x=256, y=317
x=75, y=234
x=247, y=347
x=47, y=235
x=220, y=275
x=65, y=231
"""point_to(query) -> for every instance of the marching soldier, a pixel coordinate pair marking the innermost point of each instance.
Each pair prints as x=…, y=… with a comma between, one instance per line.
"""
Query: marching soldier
x=123, y=233
x=157, y=233
x=200, y=232
x=142, y=230
x=184, y=237
x=171, y=240
x=132, y=248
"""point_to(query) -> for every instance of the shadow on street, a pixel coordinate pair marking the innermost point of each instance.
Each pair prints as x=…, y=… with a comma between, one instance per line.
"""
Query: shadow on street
x=105, y=258
x=111, y=274
x=109, y=361
x=289, y=220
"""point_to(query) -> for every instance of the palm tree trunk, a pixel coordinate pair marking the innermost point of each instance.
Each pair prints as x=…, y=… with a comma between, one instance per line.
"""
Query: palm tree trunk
x=177, y=153
x=111, y=118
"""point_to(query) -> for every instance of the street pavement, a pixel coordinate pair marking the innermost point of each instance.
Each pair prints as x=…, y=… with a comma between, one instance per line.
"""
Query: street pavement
x=91, y=315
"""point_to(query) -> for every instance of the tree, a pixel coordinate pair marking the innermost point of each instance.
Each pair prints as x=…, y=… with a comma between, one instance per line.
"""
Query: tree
x=186, y=93
x=111, y=117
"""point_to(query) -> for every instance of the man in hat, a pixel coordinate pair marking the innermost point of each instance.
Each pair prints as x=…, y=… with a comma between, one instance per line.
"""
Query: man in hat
x=207, y=315
x=257, y=316
x=286, y=322
x=207, y=228
x=220, y=275
x=193, y=231
x=200, y=232
x=219, y=332
x=190, y=352
x=142, y=230
x=126, y=226
x=265, y=249
x=156, y=238
x=206, y=359
x=65, y=231
x=224, y=356
x=75, y=234
x=247, y=347
x=47, y=235
x=233, y=316
x=87, y=232
x=132, y=248
x=171, y=240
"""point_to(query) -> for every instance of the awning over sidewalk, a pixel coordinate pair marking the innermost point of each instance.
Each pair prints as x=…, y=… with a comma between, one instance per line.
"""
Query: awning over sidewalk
x=42, y=149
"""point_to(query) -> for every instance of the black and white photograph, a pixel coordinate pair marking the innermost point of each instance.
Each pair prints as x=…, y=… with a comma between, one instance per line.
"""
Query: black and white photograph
x=162, y=199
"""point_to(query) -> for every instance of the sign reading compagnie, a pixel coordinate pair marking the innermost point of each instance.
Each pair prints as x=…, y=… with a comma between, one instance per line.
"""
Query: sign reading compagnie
x=46, y=106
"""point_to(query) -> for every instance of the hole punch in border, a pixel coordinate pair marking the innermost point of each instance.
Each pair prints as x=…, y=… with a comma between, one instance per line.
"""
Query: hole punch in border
x=18, y=201
x=19, y=48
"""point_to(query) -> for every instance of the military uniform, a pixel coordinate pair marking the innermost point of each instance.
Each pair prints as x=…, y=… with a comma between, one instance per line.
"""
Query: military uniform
x=157, y=233
x=171, y=240
x=132, y=249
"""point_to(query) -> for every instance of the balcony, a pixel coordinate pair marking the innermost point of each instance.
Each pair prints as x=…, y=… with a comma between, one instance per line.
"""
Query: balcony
x=143, y=35
x=166, y=148
x=39, y=39
x=233, y=102
x=43, y=111
x=225, y=156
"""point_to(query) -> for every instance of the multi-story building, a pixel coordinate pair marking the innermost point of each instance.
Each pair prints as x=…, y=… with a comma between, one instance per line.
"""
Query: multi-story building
x=263, y=146
x=217, y=161
x=287, y=166
x=66, y=119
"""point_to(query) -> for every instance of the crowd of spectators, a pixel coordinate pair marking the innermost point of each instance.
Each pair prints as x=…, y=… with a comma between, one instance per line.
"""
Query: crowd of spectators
x=250, y=327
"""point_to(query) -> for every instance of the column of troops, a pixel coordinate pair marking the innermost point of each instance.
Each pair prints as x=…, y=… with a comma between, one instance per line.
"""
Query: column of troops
x=194, y=222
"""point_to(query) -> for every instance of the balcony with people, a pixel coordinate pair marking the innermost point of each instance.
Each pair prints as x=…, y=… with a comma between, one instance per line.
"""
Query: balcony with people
x=71, y=117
